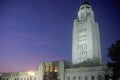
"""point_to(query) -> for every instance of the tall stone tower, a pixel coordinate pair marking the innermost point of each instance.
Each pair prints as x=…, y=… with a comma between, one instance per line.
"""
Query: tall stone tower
x=85, y=37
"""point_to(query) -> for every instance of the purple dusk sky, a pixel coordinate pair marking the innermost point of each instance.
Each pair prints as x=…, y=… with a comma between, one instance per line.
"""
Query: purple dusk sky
x=35, y=31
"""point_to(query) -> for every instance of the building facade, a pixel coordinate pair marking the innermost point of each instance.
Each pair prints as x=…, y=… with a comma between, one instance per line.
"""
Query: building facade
x=46, y=71
x=18, y=76
x=86, y=39
x=86, y=54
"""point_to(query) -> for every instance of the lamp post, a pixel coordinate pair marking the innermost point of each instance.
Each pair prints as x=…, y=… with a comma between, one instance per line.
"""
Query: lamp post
x=30, y=73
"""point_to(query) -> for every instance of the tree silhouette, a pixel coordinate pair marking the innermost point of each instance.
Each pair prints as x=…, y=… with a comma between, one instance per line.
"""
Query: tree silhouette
x=114, y=55
x=114, y=52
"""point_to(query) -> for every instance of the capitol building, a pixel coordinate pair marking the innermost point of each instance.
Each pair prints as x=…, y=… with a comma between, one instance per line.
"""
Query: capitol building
x=86, y=54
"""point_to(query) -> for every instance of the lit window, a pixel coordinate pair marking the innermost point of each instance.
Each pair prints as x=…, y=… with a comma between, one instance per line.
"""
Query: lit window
x=46, y=68
x=51, y=68
x=56, y=68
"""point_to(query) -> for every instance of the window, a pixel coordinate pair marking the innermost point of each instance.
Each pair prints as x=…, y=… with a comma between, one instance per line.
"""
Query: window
x=87, y=7
x=68, y=78
x=82, y=7
x=46, y=68
x=92, y=78
x=74, y=78
x=80, y=78
x=86, y=77
x=99, y=77
x=56, y=68
x=86, y=55
x=51, y=68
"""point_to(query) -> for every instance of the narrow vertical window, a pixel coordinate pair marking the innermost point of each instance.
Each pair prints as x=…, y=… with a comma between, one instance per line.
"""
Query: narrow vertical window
x=51, y=68
x=56, y=68
x=46, y=68
x=86, y=77
x=74, y=78
x=68, y=78
x=92, y=78
x=80, y=78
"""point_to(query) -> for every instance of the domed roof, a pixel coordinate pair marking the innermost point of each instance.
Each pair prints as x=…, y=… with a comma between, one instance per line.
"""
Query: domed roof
x=85, y=3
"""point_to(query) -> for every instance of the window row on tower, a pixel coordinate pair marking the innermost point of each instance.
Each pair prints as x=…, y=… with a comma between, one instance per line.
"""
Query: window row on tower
x=83, y=54
x=82, y=36
x=82, y=47
x=82, y=57
x=82, y=41
x=82, y=29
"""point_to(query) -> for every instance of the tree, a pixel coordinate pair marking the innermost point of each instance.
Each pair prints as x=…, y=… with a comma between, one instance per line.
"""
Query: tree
x=114, y=55
x=114, y=52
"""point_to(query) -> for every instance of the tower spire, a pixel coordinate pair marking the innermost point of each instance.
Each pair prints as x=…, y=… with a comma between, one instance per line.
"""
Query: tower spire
x=84, y=0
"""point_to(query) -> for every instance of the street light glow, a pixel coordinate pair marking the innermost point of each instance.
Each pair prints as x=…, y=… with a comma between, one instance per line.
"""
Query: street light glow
x=31, y=73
